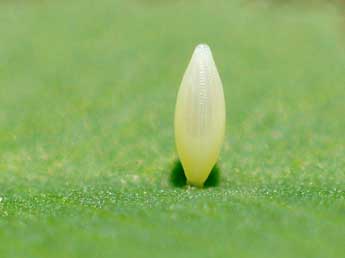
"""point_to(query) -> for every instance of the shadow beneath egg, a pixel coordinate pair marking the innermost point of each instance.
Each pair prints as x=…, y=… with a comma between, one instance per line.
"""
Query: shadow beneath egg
x=178, y=178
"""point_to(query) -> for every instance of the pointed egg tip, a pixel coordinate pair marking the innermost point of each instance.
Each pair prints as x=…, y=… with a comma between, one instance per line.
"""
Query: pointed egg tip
x=202, y=46
x=202, y=49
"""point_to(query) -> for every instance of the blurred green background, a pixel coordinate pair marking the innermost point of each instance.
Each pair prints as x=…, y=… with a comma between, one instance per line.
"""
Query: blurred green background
x=87, y=156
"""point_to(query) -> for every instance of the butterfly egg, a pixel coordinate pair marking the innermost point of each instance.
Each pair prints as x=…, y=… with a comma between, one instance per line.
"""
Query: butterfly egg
x=200, y=117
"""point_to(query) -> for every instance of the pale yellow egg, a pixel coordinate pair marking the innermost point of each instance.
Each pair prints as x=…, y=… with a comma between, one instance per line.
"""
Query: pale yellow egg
x=200, y=116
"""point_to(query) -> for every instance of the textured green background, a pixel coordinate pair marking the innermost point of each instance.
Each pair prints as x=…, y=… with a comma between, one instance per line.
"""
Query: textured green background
x=87, y=94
